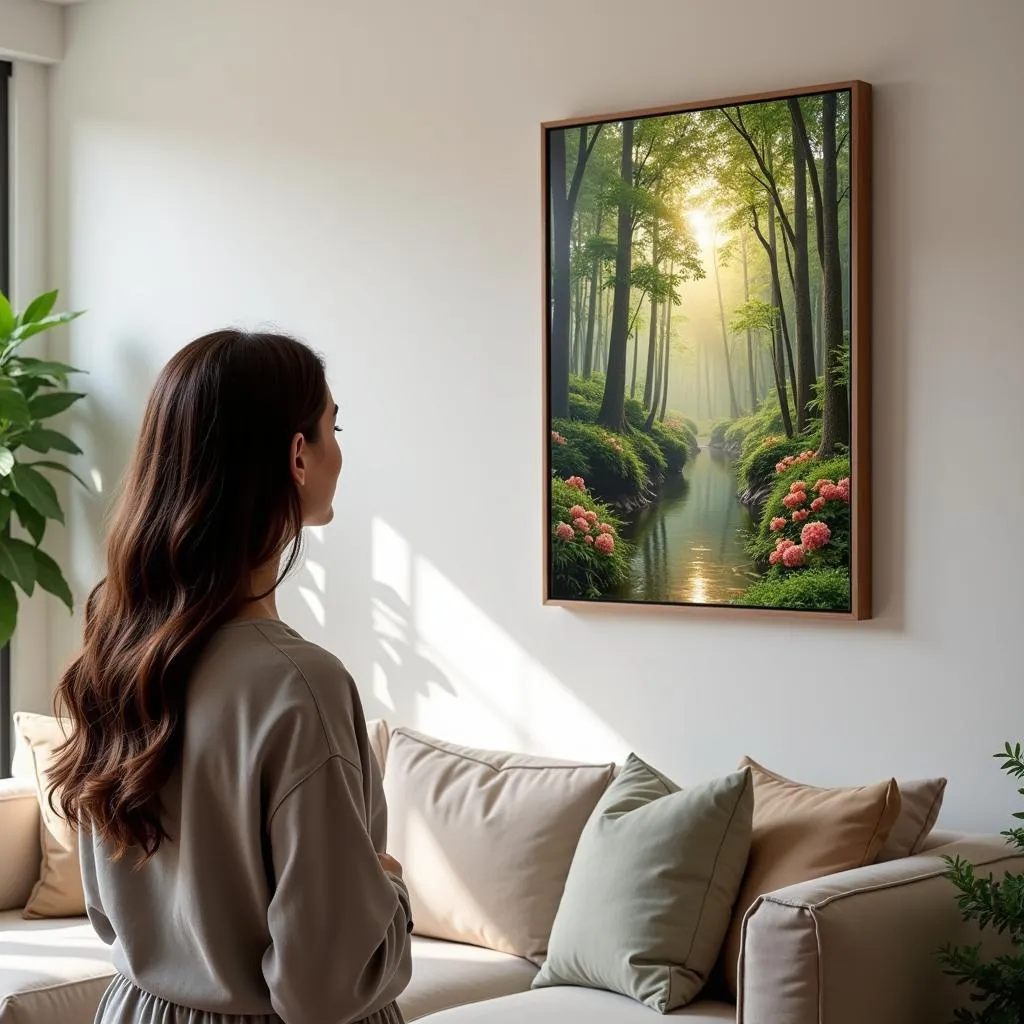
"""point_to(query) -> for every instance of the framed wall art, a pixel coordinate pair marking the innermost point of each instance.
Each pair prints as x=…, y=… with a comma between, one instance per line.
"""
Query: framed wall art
x=707, y=275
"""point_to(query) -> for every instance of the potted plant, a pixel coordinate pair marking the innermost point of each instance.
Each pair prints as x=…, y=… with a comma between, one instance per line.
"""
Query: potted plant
x=997, y=983
x=32, y=391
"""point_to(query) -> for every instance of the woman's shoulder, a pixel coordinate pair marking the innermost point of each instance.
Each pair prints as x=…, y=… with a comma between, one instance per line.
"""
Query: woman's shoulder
x=295, y=689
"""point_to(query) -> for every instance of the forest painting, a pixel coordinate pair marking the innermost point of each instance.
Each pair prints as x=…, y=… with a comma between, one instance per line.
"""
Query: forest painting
x=707, y=318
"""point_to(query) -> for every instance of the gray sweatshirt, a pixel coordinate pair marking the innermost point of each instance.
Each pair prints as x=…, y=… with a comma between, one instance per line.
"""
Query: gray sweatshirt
x=268, y=900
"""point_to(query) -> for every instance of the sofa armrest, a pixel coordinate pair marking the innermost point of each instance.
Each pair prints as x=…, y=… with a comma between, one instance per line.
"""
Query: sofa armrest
x=860, y=945
x=20, y=851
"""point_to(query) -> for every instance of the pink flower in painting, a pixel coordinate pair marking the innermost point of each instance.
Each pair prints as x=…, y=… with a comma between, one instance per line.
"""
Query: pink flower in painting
x=606, y=528
x=778, y=523
x=588, y=539
x=782, y=545
x=799, y=485
x=577, y=482
x=581, y=524
x=557, y=438
x=564, y=531
x=815, y=535
x=605, y=543
x=821, y=484
x=775, y=557
x=793, y=557
x=835, y=493
x=818, y=504
x=577, y=512
x=794, y=500
x=780, y=467
x=591, y=517
x=801, y=514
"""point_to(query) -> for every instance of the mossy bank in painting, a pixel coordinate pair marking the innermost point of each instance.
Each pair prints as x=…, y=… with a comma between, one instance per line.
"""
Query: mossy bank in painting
x=706, y=278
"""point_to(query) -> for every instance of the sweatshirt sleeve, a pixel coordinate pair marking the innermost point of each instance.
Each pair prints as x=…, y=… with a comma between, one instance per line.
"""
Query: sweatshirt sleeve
x=339, y=924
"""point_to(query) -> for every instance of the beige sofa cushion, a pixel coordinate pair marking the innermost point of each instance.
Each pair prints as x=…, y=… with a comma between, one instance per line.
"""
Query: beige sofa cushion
x=452, y=974
x=486, y=838
x=920, y=803
x=19, y=841
x=652, y=886
x=51, y=971
x=583, y=1006
x=803, y=832
x=58, y=891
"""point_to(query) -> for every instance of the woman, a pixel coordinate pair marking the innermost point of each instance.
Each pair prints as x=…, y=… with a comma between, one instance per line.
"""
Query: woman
x=231, y=814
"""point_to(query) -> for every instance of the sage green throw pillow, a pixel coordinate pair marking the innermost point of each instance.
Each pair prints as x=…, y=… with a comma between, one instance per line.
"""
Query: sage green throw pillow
x=651, y=887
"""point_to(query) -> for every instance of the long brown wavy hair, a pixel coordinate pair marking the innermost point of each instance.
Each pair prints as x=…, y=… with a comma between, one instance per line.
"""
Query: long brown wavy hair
x=208, y=498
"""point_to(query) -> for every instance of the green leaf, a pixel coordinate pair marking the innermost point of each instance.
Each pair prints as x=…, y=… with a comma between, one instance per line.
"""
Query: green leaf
x=43, y=406
x=51, y=579
x=39, y=307
x=13, y=406
x=26, y=331
x=26, y=366
x=6, y=460
x=60, y=466
x=8, y=611
x=37, y=490
x=6, y=507
x=18, y=563
x=39, y=439
x=7, y=320
x=32, y=520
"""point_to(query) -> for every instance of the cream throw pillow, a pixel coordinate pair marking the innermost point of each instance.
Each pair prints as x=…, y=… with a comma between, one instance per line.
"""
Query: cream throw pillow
x=58, y=892
x=804, y=832
x=486, y=838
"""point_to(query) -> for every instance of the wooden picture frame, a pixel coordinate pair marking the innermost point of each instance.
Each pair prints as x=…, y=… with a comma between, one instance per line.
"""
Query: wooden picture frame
x=724, y=163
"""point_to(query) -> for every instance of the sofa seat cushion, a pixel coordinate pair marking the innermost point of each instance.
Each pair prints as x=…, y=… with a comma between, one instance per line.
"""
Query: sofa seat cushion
x=446, y=974
x=579, y=1006
x=54, y=969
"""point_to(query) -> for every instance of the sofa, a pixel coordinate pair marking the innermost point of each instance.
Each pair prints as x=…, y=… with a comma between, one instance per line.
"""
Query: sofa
x=848, y=948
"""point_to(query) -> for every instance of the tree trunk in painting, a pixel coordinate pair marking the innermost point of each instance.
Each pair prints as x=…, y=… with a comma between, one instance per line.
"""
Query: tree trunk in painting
x=563, y=204
x=612, y=414
x=668, y=351
x=787, y=359
x=835, y=424
x=750, y=334
x=561, y=223
x=805, y=375
x=588, y=345
x=636, y=346
x=652, y=342
x=733, y=406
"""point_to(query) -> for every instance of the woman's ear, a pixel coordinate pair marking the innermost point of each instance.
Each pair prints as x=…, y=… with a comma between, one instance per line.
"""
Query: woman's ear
x=298, y=459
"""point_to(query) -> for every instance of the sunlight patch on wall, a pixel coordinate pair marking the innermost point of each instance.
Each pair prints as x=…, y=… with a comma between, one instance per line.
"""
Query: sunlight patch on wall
x=97, y=479
x=380, y=689
x=318, y=574
x=502, y=696
x=315, y=605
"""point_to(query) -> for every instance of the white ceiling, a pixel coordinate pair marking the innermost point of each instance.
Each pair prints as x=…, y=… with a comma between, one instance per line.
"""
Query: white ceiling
x=64, y=1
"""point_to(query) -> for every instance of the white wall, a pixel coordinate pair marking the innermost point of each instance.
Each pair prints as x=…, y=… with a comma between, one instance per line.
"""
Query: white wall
x=31, y=30
x=367, y=174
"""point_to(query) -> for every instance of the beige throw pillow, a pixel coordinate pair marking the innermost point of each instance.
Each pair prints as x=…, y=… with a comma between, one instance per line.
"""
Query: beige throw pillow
x=58, y=893
x=486, y=838
x=920, y=803
x=803, y=832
